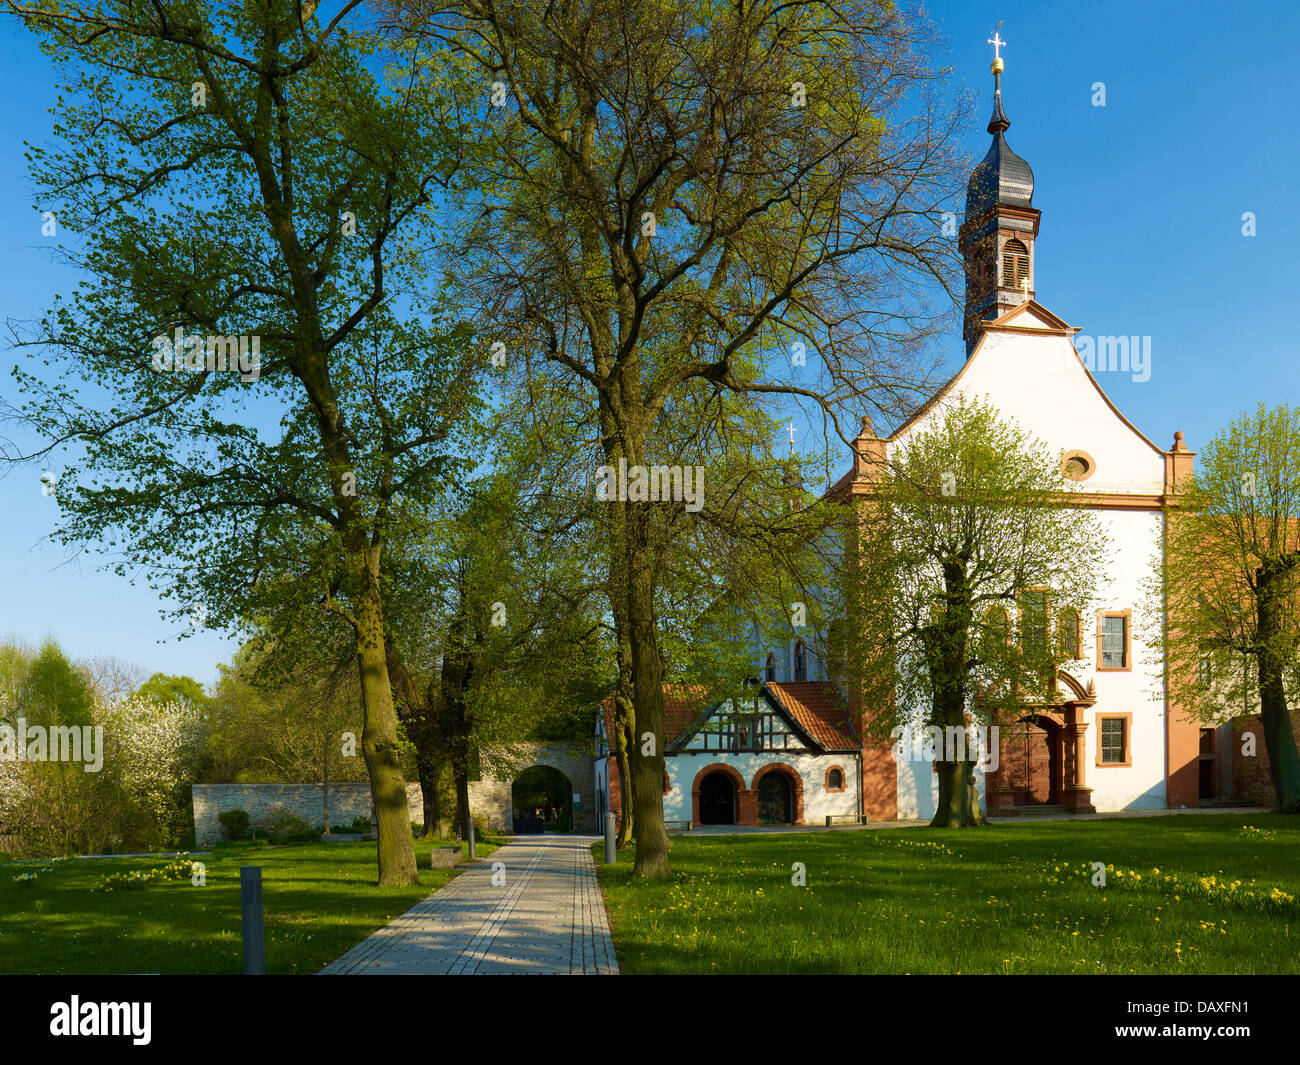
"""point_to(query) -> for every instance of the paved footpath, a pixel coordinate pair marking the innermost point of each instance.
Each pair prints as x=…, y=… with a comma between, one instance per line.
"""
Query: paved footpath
x=548, y=917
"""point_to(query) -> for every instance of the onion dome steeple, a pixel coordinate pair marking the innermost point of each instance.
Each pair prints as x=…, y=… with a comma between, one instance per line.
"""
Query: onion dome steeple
x=997, y=237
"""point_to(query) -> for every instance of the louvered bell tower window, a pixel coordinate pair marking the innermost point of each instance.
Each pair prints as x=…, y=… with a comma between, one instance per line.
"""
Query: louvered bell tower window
x=1015, y=264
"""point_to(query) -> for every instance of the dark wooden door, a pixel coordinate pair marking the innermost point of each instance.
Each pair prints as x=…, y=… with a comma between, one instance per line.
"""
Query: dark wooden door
x=775, y=801
x=1031, y=757
x=717, y=800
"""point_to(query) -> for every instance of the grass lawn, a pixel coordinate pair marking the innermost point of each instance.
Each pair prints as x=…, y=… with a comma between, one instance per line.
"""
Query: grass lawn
x=1005, y=899
x=318, y=900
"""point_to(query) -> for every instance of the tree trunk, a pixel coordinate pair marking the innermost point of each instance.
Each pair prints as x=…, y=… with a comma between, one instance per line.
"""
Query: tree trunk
x=1279, y=739
x=379, y=739
x=624, y=732
x=461, y=772
x=647, y=751
x=325, y=786
x=958, y=805
x=428, y=793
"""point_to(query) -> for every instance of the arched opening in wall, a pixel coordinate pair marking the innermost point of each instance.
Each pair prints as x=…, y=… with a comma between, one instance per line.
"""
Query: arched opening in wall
x=542, y=798
x=775, y=799
x=1015, y=263
x=717, y=800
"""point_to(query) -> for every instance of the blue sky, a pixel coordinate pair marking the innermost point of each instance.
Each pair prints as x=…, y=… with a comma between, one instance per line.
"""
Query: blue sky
x=1141, y=235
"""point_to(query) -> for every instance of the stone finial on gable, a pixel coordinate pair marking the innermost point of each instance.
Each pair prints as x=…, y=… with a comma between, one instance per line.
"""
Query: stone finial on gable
x=1179, y=464
x=868, y=453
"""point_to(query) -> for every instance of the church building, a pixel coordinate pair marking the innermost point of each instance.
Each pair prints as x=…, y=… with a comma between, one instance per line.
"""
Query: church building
x=1104, y=743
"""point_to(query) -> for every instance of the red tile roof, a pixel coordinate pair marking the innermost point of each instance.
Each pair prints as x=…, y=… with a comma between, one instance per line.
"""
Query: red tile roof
x=682, y=705
x=818, y=708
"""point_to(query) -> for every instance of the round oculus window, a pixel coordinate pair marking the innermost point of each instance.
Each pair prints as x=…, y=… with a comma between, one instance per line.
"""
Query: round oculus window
x=1078, y=465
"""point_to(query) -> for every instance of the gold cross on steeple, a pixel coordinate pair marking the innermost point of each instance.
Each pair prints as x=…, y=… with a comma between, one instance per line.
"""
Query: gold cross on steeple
x=1024, y=287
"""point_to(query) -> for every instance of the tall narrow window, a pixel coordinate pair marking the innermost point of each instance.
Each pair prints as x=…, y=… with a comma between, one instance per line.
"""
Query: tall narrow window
x=1113, y=641
x=800, y=661
x=1015, y=264
x=769, y=671
x=1068, y=634
x=1033, y=622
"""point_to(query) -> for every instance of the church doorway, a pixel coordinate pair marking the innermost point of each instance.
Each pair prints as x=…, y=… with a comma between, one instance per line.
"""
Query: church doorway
x=775, y=800
x=717, y=800
x=1032, y=759
x=542, y=798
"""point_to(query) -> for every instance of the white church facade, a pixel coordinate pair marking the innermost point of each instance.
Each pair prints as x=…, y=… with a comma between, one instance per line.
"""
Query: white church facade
x=1111, y=740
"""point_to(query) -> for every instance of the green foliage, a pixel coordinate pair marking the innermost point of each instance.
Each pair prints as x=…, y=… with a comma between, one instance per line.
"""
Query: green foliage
x=164, y=687
x=234, y=823
x=54, y=692
x=279, y=715
x=285, y=826
x=1233, y=547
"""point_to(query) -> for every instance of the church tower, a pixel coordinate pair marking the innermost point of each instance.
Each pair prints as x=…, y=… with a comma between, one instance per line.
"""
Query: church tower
x=997, y=237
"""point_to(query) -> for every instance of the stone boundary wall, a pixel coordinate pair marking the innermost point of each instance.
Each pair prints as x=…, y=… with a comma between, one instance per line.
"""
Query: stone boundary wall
x=347, y=801
x=489, y=799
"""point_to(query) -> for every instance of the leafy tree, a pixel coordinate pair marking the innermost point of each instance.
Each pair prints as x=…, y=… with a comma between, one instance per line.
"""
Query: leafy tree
x=494, y=636
x=253, y=181
x=1231, y=584
x=15, y=660
x=54, y=692
x=167, y=688
x=275, y=719
x=966, y=516
x=674, y=196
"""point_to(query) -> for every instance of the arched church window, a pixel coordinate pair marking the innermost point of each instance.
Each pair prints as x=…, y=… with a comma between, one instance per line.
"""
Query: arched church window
x=800, y=661
x=769, y=670
x=997, y=621
x=1015, y=264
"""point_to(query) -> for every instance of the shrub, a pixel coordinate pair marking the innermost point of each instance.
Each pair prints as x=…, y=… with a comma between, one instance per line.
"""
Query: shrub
x=234, y=823
x=285, y=826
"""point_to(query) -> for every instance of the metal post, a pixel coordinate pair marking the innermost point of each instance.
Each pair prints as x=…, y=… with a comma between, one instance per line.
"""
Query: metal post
x=250, y=897
x=610, y=830
x=472, y=856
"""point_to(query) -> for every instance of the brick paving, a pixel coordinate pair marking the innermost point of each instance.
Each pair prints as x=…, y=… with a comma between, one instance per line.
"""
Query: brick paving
x=547, y=918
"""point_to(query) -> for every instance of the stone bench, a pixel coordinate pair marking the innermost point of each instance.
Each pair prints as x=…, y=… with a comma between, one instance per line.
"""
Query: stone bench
x=444, y=857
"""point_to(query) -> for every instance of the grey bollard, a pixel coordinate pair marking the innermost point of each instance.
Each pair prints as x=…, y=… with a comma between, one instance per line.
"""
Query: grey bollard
x=250, y=897
x=610, y=853
x=472, y=856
